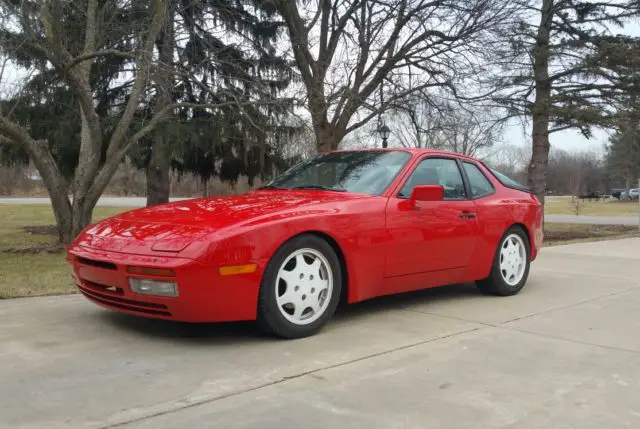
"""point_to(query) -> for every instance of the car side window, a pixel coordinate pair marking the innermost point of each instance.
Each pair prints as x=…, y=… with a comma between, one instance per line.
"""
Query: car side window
x=437, y=171
x=478, y=182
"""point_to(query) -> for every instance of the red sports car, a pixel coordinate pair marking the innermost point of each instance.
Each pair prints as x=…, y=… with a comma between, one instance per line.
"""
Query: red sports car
x=343, y=226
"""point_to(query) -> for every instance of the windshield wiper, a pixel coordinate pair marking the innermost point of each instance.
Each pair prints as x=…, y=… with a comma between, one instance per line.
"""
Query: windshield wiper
x=320, y=187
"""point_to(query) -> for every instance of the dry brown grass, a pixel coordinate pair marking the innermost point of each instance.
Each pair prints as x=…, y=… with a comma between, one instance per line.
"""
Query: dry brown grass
x=25, y=274
x=613, y=207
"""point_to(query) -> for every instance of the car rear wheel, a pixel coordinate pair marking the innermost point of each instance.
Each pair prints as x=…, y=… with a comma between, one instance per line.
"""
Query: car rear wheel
x=301, y=288
x=510, y=265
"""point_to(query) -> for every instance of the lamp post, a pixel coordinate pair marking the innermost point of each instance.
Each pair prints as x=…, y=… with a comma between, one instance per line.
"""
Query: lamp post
x=384, y=132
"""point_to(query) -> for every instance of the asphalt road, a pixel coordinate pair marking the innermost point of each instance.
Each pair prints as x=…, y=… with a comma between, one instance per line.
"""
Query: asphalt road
x=103, y=201
x=594, y=220
x=140, y=202
x=565, y=353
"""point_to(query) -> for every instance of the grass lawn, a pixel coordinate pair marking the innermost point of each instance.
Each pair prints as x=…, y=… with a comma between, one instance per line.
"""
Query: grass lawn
x=26, y=274
x=613, y=207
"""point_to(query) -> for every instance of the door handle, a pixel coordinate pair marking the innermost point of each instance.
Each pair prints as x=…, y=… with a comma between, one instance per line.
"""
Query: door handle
x=467, y=215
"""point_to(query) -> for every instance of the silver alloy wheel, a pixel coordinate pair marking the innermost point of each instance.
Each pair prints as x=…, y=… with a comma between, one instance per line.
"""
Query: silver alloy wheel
x=513, y=259
x=304, y=286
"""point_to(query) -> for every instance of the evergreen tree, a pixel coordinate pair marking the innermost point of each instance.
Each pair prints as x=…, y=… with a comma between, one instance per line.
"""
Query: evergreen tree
x=228, y=58
x=555, y=81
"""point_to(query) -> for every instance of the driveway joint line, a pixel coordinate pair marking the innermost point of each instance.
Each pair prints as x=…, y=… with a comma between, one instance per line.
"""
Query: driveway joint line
x=564, y=307
x=586, y=343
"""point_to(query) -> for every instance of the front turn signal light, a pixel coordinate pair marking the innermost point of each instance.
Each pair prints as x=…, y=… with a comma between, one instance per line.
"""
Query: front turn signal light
x=231, y=270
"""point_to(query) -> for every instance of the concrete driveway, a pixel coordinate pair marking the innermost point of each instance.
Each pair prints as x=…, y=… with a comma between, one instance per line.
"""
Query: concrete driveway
x=565, y=353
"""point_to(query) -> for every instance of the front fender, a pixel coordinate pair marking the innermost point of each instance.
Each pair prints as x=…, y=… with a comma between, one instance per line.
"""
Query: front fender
x=359, y=232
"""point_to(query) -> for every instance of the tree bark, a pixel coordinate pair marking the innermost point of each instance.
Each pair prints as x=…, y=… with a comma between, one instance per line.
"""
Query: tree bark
x=627, y=186
x=158, y=181
x=537, y=177
x=327, y=138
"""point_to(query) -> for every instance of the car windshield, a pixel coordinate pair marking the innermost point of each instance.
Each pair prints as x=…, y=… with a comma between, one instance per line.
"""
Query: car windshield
x=367, y=172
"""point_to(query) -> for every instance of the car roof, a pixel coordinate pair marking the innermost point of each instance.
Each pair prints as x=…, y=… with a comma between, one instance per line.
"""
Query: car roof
x=412, y=150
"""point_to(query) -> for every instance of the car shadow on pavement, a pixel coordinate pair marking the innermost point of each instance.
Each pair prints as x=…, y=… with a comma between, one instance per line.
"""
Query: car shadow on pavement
x=233, y=332
x=403, y=300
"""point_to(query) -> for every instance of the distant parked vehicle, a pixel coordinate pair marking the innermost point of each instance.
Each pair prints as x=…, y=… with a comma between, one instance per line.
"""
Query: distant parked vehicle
x=616, y=193
x=633, y=194
x=591, y=196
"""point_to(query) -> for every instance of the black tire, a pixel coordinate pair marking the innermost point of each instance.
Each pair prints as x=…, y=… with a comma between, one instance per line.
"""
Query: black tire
x=495, y=283
x=269, y=315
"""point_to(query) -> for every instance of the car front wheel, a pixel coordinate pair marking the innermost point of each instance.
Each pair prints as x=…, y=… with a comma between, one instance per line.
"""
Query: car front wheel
x=511, y=264
x=301, y=288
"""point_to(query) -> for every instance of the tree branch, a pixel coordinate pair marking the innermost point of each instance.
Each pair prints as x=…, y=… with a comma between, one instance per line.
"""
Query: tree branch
x=91, y=55
x=142, y=74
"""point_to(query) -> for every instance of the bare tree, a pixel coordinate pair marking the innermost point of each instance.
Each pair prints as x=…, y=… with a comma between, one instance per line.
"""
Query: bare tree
x=470, y=133
x=575, y=173
x=418, y=122
x=41, y=22
x=346, y=49
x=509, y=159
x=424, y=121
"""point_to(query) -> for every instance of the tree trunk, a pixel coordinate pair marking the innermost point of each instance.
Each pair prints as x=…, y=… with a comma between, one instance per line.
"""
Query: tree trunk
x=82, y=214
x=537, y=177
x=158, y=181
x=627, y=186
x=328, y=138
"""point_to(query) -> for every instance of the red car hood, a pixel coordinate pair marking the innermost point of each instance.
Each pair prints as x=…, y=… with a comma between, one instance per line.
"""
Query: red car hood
x=172, y=227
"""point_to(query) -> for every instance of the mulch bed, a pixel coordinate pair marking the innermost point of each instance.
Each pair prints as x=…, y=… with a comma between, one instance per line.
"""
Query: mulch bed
x=590, y=232
x=38, y=248
x=42, y=230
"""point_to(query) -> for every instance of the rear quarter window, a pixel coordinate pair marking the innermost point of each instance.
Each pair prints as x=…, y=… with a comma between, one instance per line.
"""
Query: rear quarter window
x=478, y=182
x=507, y=181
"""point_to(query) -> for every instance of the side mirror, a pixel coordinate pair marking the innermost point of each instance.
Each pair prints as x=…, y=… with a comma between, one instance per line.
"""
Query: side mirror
x=426, y=193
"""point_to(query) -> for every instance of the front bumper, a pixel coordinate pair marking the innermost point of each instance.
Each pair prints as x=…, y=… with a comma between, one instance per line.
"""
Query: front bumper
x=205, y=295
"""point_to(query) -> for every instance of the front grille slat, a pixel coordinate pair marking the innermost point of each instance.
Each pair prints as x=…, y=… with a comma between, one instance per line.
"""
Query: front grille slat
x=111, y=304
x=97, y=287
x=97, y=264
